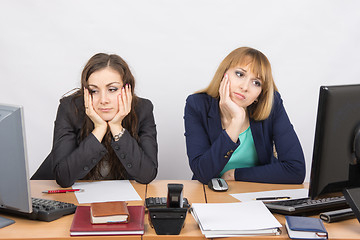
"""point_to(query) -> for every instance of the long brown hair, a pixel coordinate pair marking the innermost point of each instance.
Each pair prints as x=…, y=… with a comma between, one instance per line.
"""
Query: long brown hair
x=97, y=62
x=260, y=66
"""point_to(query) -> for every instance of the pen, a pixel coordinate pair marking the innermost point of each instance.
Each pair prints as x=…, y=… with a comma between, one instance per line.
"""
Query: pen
x=63, y=190
x=272, y=198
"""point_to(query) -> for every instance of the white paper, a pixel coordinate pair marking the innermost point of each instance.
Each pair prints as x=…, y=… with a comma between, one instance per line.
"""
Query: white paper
x=106, y=191
x=292, y=193
x=241, y=216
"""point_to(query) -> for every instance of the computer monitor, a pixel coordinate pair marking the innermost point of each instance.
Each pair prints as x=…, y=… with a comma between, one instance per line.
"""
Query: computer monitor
x=14, y=177
x=336, y=153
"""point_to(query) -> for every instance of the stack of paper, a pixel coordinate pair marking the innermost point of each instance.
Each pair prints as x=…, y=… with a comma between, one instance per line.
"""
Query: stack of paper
x=235, y=219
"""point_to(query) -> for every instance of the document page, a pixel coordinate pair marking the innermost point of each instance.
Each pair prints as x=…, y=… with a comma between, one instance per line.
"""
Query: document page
x=290, y=193
x=105, y=191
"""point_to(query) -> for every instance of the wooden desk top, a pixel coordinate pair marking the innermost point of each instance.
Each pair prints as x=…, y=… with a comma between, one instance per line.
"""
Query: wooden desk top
x=348, y=229
x=60, y=228
x=193, y=190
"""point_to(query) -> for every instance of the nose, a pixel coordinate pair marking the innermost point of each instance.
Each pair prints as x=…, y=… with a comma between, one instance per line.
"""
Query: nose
x=244, y=85
x=104, y=99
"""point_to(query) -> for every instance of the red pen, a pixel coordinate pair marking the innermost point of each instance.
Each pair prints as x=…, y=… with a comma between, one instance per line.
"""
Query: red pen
x=63, y=190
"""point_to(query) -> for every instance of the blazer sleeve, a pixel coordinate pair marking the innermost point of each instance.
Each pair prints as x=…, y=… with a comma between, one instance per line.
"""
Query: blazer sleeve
x=72, y=160
x=289, y=166
x=140, y=157
x=207, y=158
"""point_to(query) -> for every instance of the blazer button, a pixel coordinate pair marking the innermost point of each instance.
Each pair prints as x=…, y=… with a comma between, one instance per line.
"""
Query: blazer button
x=116, y=147
x=122, y=156
x=94, y=161
x=86, y=168
x=129, y=165
x=228, y=153
x=225, y=156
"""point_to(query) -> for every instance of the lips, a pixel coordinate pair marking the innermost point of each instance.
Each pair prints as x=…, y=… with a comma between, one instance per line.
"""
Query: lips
x=105, y=109
x=239, y=95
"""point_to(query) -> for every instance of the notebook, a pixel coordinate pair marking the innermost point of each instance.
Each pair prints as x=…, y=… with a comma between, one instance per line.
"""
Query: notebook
x=81, y=225
x=305, y=228
x=109, y=212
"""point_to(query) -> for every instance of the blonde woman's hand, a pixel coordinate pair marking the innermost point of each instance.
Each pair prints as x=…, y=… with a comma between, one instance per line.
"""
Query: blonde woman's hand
x=229, y=175
x=228, y=107
x=233, y=116
x=100, y=126
x=124, y=101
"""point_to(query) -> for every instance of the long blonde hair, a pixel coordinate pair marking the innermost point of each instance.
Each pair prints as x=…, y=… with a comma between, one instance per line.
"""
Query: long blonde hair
x=260, y=66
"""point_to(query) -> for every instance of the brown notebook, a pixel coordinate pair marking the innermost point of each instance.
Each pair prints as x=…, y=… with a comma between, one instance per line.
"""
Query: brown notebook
x=109, y=212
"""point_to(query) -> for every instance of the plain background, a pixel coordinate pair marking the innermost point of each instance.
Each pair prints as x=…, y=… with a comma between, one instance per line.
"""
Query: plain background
x=173, y=49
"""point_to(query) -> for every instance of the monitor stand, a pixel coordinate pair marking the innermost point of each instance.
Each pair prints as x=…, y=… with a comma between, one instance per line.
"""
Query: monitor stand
x=5, y=222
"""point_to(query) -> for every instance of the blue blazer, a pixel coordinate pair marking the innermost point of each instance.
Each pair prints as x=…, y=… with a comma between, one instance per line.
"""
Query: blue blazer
x=209, y=147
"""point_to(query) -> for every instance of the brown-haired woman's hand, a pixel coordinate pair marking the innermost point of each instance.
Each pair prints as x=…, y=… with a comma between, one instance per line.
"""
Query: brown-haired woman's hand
x=124, y=101
x=100, y=125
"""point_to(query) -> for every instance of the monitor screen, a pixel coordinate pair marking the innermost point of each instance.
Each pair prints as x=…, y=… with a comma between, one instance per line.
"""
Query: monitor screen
x=14, y=177
x=334, y=164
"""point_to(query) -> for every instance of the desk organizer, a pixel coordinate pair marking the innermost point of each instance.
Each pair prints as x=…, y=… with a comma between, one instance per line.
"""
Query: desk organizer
x=167, y=221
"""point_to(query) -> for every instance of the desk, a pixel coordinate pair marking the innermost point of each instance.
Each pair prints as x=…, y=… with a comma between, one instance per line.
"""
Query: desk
x=193, y=190
x=348, y=229
x=60, y=228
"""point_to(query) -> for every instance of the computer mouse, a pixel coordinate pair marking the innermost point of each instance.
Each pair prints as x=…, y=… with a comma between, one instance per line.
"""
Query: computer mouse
x=218, y=185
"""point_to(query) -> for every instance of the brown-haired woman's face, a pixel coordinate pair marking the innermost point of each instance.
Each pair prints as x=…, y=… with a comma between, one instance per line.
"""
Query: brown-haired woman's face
x=105, y=87
x=245, y=86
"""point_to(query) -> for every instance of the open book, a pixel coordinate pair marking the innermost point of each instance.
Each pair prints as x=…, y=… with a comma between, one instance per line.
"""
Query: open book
x=235, y=219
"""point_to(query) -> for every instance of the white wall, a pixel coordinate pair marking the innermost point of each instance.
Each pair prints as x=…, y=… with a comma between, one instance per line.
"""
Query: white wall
x=173, y=48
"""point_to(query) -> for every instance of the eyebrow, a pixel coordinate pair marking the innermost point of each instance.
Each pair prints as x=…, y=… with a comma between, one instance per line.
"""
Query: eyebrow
x=93, y=85
x=242, y=69
x=257, y=78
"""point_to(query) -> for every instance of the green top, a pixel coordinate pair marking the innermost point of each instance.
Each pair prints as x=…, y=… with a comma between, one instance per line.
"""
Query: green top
x=244, y=155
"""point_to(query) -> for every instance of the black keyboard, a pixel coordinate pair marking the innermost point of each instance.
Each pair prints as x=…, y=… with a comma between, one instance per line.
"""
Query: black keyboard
x=306, y=206
x=45, y=210
x=160, y=202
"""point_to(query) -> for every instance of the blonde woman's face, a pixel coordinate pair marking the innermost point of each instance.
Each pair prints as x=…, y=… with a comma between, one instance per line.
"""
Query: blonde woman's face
x=105, y=87
x=245, y=86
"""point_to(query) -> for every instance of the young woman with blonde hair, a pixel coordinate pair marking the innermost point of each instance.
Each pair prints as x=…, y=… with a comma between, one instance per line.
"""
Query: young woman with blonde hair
x=237, y=128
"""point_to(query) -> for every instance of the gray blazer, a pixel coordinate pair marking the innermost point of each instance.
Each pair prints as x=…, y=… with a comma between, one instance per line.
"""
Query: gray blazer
x=71, y=159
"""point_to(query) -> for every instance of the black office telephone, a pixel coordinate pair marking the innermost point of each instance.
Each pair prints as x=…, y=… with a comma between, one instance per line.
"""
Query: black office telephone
x=161, y=202
x=167, y=215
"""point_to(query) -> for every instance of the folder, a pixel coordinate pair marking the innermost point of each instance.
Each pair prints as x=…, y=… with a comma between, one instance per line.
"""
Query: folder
x=235, y=219
x=82, y=226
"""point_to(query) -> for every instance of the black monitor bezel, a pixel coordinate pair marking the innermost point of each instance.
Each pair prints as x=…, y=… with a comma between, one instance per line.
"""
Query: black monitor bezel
x=329, y=97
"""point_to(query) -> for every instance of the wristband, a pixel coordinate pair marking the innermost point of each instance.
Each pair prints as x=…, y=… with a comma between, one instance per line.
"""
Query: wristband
x=118, y=136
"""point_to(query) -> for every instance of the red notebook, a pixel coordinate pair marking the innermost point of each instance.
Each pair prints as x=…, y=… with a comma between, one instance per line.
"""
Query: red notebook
x=81, y=224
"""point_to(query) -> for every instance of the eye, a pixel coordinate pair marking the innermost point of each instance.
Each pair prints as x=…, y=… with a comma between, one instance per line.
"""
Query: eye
x=239, y=73
x=93, y=91
x=113, y=89
x=257, y=83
